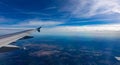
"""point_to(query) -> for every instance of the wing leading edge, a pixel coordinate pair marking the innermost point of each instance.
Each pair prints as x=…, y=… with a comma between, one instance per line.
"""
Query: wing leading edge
x=5, y=40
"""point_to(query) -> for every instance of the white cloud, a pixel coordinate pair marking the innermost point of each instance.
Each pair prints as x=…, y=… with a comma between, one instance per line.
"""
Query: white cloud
x=98, y=30
x=105, y=7
x=88, y=8
x=39, y=23
x=92, y=30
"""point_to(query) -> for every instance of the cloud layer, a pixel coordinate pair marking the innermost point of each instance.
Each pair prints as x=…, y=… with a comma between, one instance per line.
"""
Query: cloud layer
x=97, y=30
x=94, y=30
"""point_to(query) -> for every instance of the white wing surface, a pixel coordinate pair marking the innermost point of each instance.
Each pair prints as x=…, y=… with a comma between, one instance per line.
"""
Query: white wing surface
x=5, y=40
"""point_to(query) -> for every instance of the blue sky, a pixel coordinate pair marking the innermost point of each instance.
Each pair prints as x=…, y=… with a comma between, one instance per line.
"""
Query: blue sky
x=59, y=13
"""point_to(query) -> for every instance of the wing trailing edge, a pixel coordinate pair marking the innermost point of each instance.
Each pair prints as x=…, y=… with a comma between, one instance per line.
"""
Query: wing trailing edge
x=8, y=48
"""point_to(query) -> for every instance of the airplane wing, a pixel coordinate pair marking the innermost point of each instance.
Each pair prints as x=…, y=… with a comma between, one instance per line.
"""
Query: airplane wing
x=5, y=40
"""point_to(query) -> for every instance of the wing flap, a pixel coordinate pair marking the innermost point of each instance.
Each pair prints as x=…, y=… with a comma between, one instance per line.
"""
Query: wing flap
x=8, y=48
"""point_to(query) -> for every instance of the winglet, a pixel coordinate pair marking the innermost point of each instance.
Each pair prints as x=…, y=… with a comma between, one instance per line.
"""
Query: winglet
x=38, y=29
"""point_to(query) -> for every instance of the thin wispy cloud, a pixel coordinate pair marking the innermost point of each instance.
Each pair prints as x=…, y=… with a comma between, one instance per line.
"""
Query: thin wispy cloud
x=88, y=8
x=9, y=6
x=49, y=8
x=39, y=23
x=105, y=7
x=4, y=19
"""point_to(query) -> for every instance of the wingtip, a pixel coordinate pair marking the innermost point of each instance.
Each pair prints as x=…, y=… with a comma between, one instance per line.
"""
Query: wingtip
x=38, y=29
